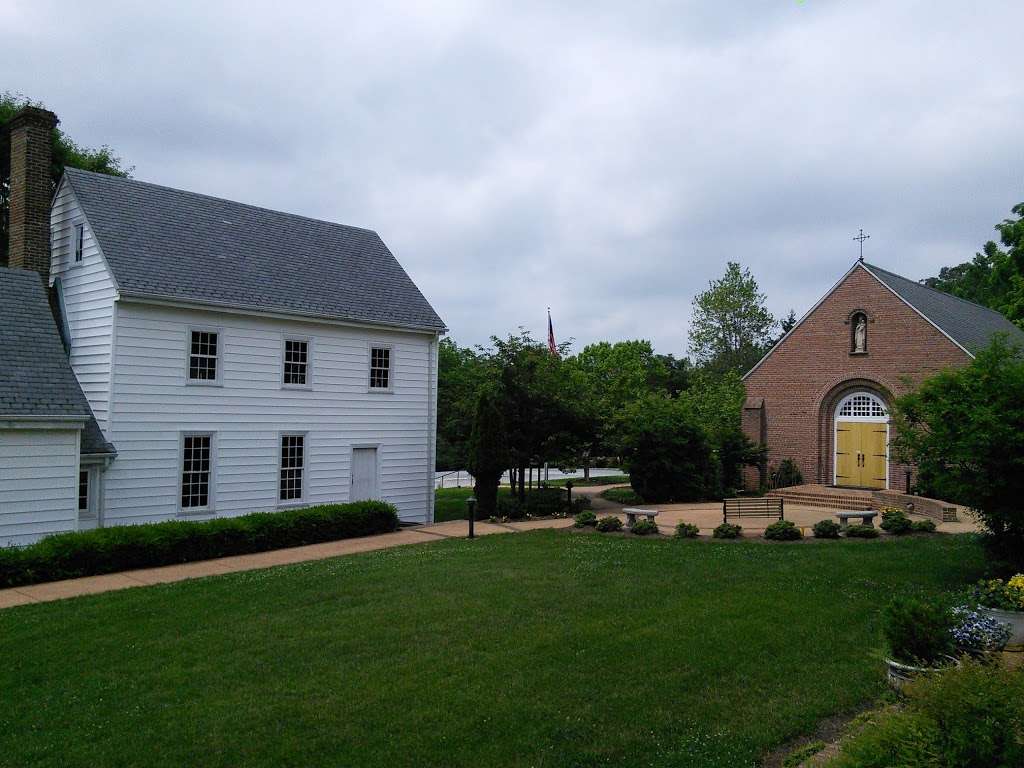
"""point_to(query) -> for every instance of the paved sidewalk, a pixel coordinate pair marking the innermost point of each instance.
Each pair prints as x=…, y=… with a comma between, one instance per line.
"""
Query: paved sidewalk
x=90, y=585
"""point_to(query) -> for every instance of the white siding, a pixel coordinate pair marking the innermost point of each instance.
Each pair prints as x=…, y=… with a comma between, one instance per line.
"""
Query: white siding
x=153, y=404
x=38, y=483
x=89, y=299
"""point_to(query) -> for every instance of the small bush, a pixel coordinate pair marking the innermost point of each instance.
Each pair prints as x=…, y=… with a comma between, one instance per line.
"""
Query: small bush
x=585, y=519
x=896, y=522
x=687, y=531
x=581, y=503
x=788, y=474
x=924, y=526
x=861, y=532
x=919, y=632
x=800, y=755
x=546, y=502
x=783, y=530
x=905, y=739
x=509, y=508
x=622, y=496
x=727, y=531
x=126, y=547
x=826, y=529
x=609, y=524
x=644, y=527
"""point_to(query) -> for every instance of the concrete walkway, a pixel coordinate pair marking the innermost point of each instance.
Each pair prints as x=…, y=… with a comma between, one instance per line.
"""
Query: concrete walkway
x=91, y=585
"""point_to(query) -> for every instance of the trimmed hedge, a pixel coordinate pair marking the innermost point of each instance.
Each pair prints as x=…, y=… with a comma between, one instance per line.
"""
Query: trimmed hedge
x=126, y=547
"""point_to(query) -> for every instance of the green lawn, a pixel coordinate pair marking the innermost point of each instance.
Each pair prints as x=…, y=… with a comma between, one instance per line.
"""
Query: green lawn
x=532, y=649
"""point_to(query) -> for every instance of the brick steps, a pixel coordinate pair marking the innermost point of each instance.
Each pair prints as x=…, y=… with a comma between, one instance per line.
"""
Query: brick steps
x=827, y=498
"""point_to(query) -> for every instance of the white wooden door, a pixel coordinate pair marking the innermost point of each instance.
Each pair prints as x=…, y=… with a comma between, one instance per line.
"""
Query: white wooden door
x=364, y=474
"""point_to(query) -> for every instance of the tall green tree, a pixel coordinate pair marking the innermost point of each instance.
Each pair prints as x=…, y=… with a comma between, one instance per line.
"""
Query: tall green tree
x=460, y=375
x=994, y=277
x=65, y=153
x=964, y=429
x=487, y=451
x=731, y=327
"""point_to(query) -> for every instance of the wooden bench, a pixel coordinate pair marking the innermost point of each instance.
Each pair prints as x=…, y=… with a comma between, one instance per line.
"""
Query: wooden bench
x=762, y=506
x=632, y=513
x=866, y=516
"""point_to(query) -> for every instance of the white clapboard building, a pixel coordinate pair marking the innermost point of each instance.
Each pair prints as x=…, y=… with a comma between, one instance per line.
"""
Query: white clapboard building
x=216, y=358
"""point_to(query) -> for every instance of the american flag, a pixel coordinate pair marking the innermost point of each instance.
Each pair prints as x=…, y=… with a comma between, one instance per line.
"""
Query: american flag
x=552, y=347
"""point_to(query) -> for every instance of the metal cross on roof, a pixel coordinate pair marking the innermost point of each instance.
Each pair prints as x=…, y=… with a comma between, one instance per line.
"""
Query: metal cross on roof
x=861, y=238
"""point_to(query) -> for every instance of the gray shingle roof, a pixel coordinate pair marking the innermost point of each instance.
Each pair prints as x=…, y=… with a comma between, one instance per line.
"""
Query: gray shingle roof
x=181, y=245
x=36, y=379
x=970, y=325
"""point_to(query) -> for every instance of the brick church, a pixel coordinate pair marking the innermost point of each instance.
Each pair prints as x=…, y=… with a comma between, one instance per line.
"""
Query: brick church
x=822, y=394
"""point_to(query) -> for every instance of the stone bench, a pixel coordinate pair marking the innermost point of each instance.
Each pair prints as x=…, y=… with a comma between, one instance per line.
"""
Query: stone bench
x=866, y=516
x=632, y=513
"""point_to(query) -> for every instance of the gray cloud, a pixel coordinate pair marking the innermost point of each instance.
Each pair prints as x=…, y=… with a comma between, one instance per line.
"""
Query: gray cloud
x=602, y=158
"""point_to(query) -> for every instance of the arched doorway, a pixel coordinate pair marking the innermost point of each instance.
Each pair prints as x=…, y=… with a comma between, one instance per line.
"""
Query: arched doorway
x=861, y=442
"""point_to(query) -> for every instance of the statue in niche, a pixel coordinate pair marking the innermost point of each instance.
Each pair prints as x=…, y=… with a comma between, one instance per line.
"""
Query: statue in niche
x=860, y=334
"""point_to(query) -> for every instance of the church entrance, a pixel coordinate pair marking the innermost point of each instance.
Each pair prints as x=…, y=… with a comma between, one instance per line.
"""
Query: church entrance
x=862, y=442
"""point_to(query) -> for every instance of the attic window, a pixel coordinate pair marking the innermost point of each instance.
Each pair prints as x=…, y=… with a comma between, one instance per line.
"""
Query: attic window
x=78, y=240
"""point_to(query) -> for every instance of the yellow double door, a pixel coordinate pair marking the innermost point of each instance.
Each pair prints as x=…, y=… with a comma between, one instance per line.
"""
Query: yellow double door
x=861, y=454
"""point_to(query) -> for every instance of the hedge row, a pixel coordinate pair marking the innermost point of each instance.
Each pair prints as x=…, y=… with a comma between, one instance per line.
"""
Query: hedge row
x=122, y=548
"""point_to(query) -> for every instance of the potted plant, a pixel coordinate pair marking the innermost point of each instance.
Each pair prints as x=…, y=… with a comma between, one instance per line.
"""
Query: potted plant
x=977, y=633
x=920, y=638
x=1004, y=601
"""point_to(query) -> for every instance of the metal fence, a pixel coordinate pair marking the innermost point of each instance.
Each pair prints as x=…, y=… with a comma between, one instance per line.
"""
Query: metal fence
x=462, y=479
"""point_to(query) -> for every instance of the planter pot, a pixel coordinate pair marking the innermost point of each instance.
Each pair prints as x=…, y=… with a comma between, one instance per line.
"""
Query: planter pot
x=1016, y=621
x=900, y=674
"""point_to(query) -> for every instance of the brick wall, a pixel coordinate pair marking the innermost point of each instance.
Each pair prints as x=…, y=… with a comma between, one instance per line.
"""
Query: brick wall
x=31, y=189
x=806, y=376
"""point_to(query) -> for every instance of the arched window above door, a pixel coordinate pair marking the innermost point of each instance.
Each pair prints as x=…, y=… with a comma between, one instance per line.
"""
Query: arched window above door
x=862, y=404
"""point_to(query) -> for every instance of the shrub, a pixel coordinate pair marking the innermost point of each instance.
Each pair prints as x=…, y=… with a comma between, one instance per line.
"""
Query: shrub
x=826, y=529
x=509, y=508
x=787, y=474
x=121, y=548
x=923, y=526
x=727, y=531
x=644, y=527
x=622, y=496
x=783, y=530
x=546, y=502
x=667, y=452
x=971, y=715
x=861, y=532
x=581, y=503
x=687, y=531
x=609, y=524
x=585, y=519
x=895, y=521
x=918, y=631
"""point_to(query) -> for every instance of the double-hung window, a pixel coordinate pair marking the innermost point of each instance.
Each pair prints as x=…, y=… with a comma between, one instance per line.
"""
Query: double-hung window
x=196, y=472
x=293, y=465
x=296, y=371
x=83, y=490
x=380, y=369
x=204, y=356
x=78, y=241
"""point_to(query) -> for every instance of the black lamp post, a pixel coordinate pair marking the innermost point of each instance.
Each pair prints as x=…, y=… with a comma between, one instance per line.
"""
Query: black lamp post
x=568, y=493
x=471, y=504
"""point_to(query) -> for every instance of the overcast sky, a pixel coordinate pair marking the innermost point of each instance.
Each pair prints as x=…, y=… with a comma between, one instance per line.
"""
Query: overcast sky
x=602, y=158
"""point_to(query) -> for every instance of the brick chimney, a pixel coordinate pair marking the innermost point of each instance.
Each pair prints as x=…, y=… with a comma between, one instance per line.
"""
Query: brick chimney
x=31, y=190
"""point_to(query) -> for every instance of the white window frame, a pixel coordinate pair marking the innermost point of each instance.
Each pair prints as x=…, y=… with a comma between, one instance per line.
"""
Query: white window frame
x=215, y=382
x=211, y=496
x=77, y=228
x=280, y=467
x=309, y=361
x=91, y=492
x=369, y=368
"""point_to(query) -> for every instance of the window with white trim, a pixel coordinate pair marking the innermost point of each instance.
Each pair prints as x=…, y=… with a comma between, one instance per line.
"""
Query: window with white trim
x=203, y=356
x=196, y=471
x=293, y=463
x=296, y=362
x=83, y=490
x=380, y=368
x=78, y=242
x=863, y=405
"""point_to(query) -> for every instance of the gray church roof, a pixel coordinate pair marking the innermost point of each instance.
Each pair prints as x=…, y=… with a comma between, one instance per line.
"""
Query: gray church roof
x=970, y=325
x=167, y=243
x=36, y=379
